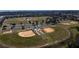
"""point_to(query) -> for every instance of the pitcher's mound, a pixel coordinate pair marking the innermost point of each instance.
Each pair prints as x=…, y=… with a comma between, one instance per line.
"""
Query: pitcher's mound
x=29, y=33
x=48, y=30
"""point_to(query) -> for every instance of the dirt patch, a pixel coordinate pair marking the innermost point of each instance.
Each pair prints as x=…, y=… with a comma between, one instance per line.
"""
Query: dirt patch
x=48, y=30
x=74, y=22
x=29, y=33
x=66, y=23
x=70, y=23
x=7, y=32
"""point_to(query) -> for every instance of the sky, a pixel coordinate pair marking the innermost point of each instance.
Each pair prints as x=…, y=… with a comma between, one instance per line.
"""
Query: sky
x=39, y=4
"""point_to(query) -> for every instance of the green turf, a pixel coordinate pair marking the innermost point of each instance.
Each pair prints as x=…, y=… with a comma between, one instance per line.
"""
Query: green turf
x=74, y=31
x=59, y=34
x=17, y=41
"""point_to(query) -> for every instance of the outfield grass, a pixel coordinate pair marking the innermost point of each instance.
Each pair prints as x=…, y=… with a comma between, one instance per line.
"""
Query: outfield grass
x=58, y=35
x=17, y=41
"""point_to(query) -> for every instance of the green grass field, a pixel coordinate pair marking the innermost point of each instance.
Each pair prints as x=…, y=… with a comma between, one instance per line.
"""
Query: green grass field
x=23, y=19
x=14, y=40
x=74, y=32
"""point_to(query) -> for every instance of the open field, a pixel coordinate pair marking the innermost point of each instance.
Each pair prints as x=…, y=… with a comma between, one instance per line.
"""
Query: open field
x=24, y=19
x=13, y=40
x=34, y=36
x=72, y=28
x=14, y=20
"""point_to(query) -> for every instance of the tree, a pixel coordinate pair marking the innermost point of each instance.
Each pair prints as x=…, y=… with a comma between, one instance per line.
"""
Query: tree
x=4, y=27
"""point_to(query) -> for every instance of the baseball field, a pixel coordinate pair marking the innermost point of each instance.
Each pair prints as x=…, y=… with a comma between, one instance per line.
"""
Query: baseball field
x=30, y=39
x=38, y=37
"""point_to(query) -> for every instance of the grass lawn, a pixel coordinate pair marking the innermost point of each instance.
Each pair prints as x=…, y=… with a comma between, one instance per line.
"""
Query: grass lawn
x=15, y=20
x=74, y=31
x=58, y=35
x=17, y=41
